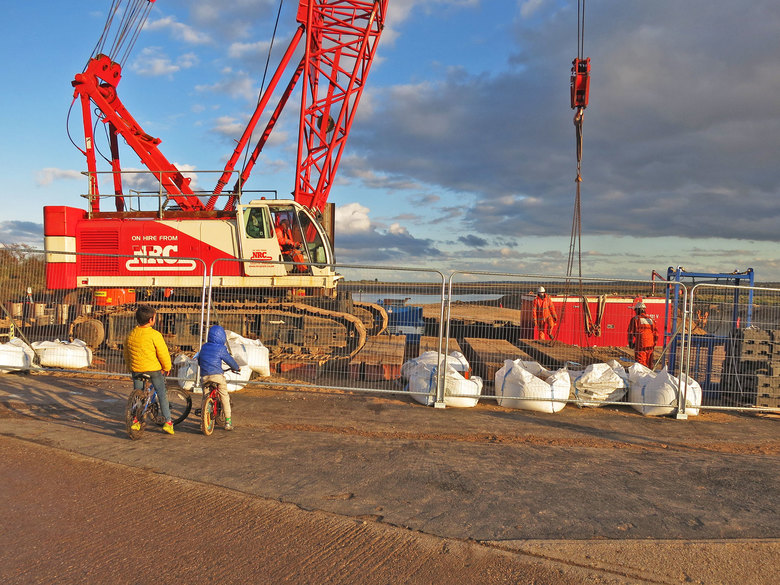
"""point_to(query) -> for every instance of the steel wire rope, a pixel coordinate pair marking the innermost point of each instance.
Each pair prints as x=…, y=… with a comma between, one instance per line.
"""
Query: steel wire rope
x=262, y=82
x=122, y=30
x=575, y=240
x=133, y=21
x=140, y=21
x=106, y=27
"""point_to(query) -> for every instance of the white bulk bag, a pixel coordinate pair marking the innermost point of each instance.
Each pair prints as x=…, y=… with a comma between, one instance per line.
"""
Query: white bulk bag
x=61, y=354
x=187, y=369
x=237, y=381
x=655, y=393
x=693, y=396
x=600, y=383
x=15, y=355
x=455, y=360
x=459, y=392
x=249, y=352
x=517, y=387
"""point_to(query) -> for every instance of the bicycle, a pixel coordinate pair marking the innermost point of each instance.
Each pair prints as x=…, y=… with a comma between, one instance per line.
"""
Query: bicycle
x=211, y=413
x=143, y=405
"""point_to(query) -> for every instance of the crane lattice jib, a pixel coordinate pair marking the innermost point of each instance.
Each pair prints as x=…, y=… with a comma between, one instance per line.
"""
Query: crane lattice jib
x=341, y=42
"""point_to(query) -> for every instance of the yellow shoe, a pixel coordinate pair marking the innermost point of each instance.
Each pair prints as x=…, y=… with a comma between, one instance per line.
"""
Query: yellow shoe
x=136, y=426
x=168, y=428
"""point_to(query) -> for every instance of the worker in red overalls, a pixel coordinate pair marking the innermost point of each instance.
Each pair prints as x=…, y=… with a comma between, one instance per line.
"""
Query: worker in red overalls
x=291, y=250
x=545, y=316
x=642, y=335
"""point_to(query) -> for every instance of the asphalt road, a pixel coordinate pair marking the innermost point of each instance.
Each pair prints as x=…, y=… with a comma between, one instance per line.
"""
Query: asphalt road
x=336, y=488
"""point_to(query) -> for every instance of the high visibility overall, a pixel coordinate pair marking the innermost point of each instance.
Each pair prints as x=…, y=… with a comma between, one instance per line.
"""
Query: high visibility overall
x=642, y=338
x=290, y=250
x=545, y=316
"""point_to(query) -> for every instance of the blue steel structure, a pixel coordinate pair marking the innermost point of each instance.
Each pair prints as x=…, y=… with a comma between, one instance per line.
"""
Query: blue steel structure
x=703, y=346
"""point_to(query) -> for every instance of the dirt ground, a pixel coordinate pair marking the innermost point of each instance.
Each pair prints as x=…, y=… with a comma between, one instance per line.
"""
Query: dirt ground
x=343, y=488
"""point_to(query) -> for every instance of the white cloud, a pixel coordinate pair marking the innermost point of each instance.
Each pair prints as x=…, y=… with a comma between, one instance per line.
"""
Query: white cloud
x=21, y=232
x=153, y=62
x=352, y=218
x=235, y=84
x=397, y=229
x=178, y=30
x=228, y=126
x=48, y=175
x=240, y=50
x=530, y=7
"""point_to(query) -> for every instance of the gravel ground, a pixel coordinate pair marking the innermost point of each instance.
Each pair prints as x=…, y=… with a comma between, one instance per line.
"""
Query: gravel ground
x=347, y=488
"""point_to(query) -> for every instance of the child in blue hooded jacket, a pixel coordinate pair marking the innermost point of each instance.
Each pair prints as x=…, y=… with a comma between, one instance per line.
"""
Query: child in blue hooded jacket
x=210, y=358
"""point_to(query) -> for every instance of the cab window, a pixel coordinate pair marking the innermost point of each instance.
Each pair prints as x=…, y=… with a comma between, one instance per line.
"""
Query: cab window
x=257, y=225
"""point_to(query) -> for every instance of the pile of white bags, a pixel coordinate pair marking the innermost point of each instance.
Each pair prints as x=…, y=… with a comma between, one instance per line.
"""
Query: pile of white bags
x=15, y=355
x=600, y=383
x=657, y=391
x=529, y=386
x=249, y=352
x=459, y=391
x=187, y=368
x=62, y=354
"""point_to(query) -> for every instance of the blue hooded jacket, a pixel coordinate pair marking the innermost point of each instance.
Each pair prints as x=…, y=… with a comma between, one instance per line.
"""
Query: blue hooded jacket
x=214, y=352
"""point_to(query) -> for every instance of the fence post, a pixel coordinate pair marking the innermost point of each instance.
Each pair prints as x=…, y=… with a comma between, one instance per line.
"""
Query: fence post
x=441, y=379
x=685, y=356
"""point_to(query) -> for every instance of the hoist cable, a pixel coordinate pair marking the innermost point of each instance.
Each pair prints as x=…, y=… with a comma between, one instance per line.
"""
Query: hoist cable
x=265, y=72
x=127, y=18
x=580, y=28
x=136, y=31
x=106, y=27
x=575, y=241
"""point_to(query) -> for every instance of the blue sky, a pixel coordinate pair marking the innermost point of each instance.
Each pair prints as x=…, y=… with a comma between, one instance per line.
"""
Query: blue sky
x=463, y=154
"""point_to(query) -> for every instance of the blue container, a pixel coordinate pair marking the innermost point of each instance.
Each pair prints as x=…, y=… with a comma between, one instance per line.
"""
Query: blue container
x=403, y=320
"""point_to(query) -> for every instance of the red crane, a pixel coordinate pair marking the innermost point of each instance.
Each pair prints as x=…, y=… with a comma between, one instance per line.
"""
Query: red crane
x=340, y=39
x=330, y=54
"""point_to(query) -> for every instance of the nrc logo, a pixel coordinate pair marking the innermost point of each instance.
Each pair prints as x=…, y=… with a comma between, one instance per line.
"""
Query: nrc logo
x=162, y=259
x=260, y=255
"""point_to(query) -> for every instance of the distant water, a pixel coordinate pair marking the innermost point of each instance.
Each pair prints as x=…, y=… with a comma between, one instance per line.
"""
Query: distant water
x=422, y=299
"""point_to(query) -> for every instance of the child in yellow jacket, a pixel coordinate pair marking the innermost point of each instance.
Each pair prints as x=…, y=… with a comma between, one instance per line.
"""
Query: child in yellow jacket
x=146, y=353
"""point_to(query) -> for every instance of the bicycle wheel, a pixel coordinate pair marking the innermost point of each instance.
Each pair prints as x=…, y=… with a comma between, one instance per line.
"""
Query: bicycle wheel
x=134, y=411
x=180, y=403
x=208, y=415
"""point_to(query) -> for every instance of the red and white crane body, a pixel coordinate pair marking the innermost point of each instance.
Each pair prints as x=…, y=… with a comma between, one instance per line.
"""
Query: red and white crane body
x=339, y=44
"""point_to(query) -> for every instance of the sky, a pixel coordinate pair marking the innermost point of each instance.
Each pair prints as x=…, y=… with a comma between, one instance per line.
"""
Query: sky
x=463, y=153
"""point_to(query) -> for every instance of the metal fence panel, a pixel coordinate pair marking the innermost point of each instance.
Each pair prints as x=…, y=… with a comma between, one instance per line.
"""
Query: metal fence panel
x=727, y=338
x=83, y=329
x=588, y=331
x=734, y=345
x=354, y=337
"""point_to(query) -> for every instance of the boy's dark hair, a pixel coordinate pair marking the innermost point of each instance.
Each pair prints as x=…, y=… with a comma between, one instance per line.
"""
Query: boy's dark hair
x=143, y=314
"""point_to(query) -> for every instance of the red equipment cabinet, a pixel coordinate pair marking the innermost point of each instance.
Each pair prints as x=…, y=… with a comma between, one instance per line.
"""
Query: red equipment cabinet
x=616, y=313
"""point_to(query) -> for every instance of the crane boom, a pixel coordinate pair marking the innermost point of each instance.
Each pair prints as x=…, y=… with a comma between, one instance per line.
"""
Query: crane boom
x=340, y=39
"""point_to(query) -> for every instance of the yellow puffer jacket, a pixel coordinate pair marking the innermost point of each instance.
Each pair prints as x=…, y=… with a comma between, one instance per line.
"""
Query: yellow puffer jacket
x=145, y=351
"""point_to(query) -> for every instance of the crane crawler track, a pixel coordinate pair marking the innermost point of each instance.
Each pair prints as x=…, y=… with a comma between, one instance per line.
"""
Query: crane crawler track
x=284, y=327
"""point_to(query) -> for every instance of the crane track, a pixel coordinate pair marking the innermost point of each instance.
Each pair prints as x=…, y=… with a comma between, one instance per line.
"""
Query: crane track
x=293, y=328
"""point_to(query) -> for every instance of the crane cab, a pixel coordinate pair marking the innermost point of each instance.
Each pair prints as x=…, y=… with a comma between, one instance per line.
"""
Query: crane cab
x=273, y=231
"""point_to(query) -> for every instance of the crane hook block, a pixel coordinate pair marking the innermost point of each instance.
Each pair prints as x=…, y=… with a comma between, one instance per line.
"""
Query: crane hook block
x=580, y=83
